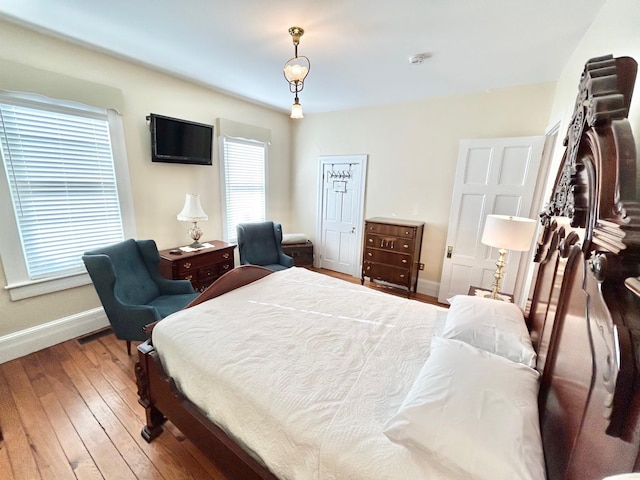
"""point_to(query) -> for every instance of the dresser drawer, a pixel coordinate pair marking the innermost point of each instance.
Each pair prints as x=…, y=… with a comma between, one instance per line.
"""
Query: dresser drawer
x=395, y=244
x=194, y=263
x=377, y=271
x=388, y=258
x=397, y=230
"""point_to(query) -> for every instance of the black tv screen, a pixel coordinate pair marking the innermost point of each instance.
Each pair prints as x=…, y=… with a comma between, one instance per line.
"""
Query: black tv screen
x=180, y=141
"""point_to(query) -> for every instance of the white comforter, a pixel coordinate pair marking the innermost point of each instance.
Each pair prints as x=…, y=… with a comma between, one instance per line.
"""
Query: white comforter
x=304, y=370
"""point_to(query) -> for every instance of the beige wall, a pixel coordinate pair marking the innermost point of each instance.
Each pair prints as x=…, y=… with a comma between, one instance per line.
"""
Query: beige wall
x=158, y=189
x=412, y=147
x=413, y=151
x=616, y=31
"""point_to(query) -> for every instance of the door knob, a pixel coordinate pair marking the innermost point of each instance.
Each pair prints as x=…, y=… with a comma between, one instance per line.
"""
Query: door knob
x=449, y=251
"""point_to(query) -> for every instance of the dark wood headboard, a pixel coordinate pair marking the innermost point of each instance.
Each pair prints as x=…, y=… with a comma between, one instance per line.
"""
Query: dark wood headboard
x=584, y=314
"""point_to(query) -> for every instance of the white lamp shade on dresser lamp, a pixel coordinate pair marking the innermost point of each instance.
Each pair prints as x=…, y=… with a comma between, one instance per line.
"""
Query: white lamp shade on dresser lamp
x=506, y=233
x=193, y=212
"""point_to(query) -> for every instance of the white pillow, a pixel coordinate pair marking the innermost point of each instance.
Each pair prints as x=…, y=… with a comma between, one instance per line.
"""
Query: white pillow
x=495, y=326
x=472, y=413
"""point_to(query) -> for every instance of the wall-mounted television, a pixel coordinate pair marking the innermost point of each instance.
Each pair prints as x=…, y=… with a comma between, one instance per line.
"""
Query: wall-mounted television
x=180, y=141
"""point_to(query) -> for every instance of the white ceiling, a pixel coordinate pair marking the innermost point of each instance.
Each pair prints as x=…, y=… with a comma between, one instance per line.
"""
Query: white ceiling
x=359, y=49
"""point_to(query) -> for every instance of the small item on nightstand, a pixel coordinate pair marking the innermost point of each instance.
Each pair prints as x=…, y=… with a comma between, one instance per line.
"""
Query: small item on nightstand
x=487, y=293
x=176, y=251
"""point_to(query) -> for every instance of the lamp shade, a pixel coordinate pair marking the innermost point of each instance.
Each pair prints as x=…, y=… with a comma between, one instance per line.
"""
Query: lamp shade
x=192, y=210
x=509, y=233
x=296, y=110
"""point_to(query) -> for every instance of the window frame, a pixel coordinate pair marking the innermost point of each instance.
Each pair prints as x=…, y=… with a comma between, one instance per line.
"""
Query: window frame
x=228, y=236
x=18, y=282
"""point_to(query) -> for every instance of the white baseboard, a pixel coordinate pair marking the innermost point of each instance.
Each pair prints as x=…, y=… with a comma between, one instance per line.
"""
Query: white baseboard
x=428, y=287
x=32, y=339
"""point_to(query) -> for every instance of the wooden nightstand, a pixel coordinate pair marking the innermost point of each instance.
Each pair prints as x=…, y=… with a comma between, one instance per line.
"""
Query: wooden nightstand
x=485, y=292
x=202, y=267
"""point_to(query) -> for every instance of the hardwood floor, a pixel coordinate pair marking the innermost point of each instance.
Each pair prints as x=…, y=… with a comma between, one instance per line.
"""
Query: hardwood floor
x=71, y=412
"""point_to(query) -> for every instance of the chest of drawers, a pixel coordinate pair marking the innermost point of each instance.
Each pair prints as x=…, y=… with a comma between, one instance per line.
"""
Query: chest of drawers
x=202, y=267
x=302, y=253
x=391, y=251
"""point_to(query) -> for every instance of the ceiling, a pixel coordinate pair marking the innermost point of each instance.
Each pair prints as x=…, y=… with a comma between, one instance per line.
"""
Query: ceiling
x=359, y=49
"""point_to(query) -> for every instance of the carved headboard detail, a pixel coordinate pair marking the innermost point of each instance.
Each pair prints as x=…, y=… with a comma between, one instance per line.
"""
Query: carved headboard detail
x=584, y=314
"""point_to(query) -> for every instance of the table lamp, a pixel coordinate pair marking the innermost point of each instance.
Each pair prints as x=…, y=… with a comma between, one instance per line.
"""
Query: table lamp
x=192, y=212
x=505, y=233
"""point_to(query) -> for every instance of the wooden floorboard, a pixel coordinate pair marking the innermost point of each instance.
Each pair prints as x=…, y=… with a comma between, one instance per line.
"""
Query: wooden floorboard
x=71, y=412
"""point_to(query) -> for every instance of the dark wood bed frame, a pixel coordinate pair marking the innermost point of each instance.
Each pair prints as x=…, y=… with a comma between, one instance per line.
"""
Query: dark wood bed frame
x=583, y=313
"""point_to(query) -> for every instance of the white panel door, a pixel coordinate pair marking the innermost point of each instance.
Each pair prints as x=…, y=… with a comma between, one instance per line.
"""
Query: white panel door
x=493, y=176
x=341, y=213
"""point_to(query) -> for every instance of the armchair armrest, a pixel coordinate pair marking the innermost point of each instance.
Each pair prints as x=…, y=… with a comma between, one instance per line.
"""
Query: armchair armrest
x=285, y=259
x=173, y=287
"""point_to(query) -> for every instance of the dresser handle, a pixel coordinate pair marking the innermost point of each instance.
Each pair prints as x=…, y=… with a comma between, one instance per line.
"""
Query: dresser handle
x=188, y=277
x=208, y=273
x=187, y=264
x=404, y=260
x=370, y=254
x=371, y=240
x=225, y=255
x=402, y=276
x=406, y=246
x=226, y=266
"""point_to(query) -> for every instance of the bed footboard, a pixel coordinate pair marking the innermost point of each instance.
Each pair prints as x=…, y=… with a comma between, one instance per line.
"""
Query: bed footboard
x=162, y=400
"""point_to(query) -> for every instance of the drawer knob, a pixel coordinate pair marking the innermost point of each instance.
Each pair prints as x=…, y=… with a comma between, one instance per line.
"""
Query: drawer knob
x=371, y=240
x=209, y=273
x=188, y=277
x=406, y=246
x=370, y=254
x=404, y=260
x=226, y=266
x=402, y=276
x=225, y=255
x=187, y=264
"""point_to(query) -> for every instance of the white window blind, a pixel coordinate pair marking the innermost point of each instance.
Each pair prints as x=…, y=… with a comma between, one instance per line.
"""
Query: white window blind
x=244, y=183
x=60, y=171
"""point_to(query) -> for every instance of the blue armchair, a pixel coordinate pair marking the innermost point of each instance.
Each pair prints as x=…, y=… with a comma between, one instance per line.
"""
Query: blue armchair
x=131, y=289
x=261, y=244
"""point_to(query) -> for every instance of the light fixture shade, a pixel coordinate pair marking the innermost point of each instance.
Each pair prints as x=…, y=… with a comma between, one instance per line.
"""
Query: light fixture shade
x=296, y=111
x=192, y=210
x=509, y=233
x=296, y=70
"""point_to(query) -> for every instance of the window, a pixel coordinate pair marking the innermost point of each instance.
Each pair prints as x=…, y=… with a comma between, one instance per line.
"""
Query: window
x=63, y=196
x=244, y=165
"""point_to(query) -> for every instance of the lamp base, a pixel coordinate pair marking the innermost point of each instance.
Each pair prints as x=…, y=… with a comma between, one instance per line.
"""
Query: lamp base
x=195, y=232
x=497, y=277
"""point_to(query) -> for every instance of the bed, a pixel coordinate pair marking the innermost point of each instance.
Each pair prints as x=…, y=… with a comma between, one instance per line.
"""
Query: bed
x=297, y=375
